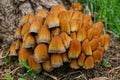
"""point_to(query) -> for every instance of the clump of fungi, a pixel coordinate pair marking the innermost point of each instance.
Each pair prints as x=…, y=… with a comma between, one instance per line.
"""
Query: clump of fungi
x=46, y=40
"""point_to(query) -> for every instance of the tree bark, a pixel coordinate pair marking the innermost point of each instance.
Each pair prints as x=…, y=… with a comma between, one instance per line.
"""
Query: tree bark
x=12, y=10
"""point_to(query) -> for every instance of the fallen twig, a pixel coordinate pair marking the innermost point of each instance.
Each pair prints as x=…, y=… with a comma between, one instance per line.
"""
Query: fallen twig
x=115, y=58
x=1, y=55
x=14, y=70
x=82, y=75
x=109, y=31
x=113, y=70
x=71, y=74
x=51, y=76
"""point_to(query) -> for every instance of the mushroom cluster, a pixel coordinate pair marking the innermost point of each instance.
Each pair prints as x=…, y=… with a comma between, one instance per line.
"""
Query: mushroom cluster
x=46, y=40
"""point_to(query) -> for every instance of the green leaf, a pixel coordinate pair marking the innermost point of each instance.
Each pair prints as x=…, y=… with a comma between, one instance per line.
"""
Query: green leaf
x=107, y=11
x=24, y=64
x=6, y=61
x=9, y=77
x=106, y=63
x=21, y=79
x=29, y=70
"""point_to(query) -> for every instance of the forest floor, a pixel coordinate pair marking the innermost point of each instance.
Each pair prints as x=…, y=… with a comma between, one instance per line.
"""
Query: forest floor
x=100, y=72
x=109, y=69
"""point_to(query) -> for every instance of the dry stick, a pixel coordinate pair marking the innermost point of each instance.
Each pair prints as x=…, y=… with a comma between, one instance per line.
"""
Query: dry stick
x=14, y=70
x=2, y=57
x=71, y=74
x=51, y=76
x=117, y=74
x=111, y=32
x=113, y=69
x=115, y=58
x=82, y=75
